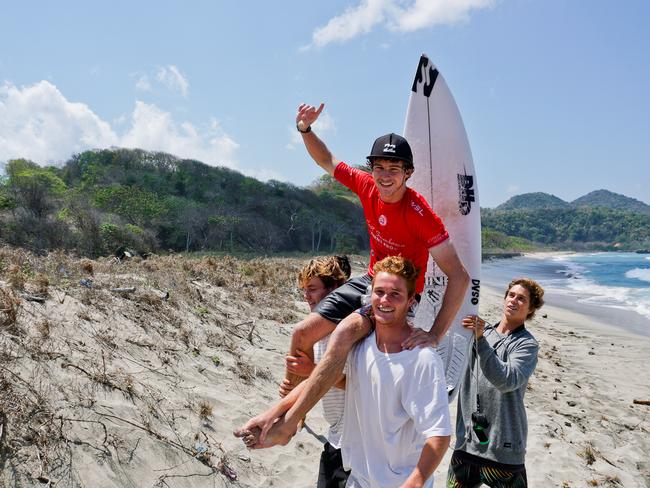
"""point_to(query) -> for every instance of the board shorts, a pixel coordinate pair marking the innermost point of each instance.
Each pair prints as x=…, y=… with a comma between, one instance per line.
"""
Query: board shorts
x=331, y=473
x=468, y=471
x=345, y=299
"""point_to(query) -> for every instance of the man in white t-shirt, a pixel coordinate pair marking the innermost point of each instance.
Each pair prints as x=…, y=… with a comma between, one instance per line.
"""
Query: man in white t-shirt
x=396, y=425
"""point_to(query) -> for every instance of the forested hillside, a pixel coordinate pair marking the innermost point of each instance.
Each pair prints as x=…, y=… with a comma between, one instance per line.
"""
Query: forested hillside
x=99, y=201
x=605, y=198
x=573, y=228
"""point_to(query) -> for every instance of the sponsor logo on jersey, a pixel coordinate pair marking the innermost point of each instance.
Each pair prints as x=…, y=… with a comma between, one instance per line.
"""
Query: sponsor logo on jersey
x=465, y=193
x=383, y=220
x=417, y=208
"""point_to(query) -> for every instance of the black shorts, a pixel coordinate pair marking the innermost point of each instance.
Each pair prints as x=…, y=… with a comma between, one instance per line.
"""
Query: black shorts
x=331, y=473
x=344, y=300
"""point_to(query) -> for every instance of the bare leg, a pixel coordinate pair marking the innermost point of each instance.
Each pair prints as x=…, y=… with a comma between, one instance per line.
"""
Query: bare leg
x=306, y=333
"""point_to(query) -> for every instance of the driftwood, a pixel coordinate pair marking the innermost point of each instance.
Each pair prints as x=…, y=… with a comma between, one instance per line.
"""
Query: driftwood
x=641, y=402
x=33, y=298
x=129, y=289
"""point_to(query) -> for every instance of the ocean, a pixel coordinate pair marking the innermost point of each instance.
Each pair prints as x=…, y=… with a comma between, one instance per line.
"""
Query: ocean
x=613, y=287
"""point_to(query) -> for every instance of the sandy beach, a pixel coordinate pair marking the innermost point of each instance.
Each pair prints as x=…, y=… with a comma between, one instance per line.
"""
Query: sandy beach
x=138, y=389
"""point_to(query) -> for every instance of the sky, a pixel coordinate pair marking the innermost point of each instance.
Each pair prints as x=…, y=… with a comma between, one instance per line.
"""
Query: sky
x=553, y=93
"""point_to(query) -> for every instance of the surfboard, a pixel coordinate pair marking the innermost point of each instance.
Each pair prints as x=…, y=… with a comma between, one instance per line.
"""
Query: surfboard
x=444, y=175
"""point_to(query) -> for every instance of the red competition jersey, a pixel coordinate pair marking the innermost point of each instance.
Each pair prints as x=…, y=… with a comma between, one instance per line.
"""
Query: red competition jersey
x=407, y=228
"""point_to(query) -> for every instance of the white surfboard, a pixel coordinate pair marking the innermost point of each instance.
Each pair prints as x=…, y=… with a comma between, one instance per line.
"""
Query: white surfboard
x=444, y=175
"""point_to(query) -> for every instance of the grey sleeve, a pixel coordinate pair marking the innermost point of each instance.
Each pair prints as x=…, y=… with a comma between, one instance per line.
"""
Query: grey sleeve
x=513, y=373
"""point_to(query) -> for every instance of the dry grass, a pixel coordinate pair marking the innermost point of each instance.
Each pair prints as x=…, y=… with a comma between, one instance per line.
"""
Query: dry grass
x=44, y=329
x=61, y=363
x=204, y=410
x=41, y=284
x=9, y=306
x=589, y=454
x=87, y=266
x=16, y=277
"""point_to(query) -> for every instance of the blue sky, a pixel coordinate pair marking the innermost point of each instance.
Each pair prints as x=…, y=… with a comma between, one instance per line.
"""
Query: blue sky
x=554, y=94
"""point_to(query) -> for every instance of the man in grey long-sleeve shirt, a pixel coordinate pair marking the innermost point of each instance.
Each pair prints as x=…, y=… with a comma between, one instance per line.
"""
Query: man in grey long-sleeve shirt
x=491, y=423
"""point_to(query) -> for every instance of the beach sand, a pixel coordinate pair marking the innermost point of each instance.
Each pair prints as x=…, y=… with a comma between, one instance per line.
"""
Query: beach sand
x=106, y=389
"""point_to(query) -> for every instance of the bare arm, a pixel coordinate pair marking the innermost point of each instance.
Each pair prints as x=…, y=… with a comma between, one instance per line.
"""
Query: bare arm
x=326, y=373
x=457, y=281
x=316, y=148
x=432, y=452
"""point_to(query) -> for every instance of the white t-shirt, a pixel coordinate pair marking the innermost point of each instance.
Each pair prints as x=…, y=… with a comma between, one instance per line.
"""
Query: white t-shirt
x=393, y=403
x=332, y=402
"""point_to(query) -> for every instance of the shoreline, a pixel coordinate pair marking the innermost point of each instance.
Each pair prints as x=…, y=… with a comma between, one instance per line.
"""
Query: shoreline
x=611, y=317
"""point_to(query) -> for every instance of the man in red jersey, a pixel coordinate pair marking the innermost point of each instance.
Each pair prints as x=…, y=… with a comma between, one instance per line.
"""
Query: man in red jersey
x=400, y=223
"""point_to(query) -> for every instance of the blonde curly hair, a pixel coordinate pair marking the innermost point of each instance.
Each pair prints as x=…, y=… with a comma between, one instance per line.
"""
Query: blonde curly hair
x=333, y=271
x=399, y=266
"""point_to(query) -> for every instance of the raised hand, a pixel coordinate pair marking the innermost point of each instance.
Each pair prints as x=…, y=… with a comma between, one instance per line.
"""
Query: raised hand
x=307, y=115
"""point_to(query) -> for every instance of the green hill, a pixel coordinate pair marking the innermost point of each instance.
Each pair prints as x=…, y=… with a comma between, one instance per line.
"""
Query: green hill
x=608, y=199
x=533, y=200
x=102, y=200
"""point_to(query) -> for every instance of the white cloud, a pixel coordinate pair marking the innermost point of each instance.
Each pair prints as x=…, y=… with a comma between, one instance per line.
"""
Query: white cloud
x=155, y=130
x=37, y=122
x=395, y=15
x=143, y=84
x=172, y=78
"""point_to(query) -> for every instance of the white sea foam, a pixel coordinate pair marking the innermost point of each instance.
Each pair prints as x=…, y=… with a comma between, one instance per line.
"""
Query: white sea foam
x=642, y=274
x=596, y=279
x=587, y=291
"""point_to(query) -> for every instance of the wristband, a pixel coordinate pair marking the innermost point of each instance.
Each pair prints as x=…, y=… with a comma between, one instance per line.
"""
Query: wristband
x=307, y=130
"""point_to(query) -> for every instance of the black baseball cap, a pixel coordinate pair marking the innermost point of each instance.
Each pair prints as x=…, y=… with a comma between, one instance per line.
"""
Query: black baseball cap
x=392, y=146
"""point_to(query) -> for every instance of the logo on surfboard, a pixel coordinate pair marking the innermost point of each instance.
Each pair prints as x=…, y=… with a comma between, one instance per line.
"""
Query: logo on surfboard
x=476, y=291
x=465, y=193
x=426, y=76
x=434, y=290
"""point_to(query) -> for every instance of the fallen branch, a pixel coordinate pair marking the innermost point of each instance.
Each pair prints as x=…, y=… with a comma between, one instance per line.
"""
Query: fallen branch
x=101, y=378
x=641, y=402
x=33, y=298
x=250, y=333
x=130, y=289
x=65, y=419
x=152, y=432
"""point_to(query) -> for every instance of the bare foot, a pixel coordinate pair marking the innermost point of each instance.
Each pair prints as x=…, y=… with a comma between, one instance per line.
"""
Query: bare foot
x=279, y=434
x=250, y=437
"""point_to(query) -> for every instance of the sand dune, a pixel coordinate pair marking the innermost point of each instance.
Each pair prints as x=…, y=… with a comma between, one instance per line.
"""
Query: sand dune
x=136, y=389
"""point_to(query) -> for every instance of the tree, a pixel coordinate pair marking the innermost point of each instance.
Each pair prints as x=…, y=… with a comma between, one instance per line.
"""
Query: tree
x=32, y=187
